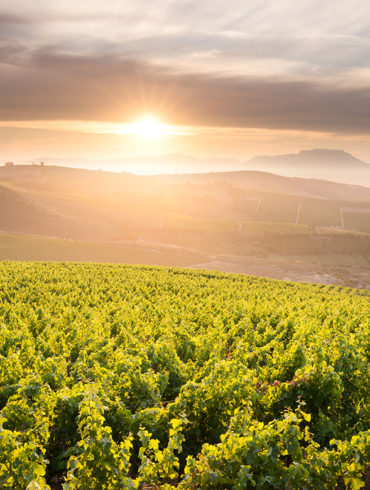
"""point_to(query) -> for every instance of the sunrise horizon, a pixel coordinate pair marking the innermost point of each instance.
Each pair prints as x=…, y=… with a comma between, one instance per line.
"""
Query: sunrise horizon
x=184, y=244
x=208, y=82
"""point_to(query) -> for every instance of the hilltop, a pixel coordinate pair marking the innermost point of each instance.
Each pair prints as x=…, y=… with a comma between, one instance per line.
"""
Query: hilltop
x=335, y=165
x=316, y=157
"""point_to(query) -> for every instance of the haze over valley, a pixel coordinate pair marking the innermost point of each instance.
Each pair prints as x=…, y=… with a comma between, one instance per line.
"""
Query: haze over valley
x=331, y=165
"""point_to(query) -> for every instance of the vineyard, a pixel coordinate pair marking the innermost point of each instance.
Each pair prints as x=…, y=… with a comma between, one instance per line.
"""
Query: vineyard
x=119, y=377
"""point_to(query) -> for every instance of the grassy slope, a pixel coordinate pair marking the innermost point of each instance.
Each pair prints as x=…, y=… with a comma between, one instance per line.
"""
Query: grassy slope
x=89, y=205
x=18, y=247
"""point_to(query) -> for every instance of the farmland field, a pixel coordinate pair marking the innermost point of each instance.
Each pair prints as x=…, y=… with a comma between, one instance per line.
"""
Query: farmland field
x=143, y=377
x=24, y=247
x=260, y=228
x=320, y=213
x=357, y=221
x=277, y=208
x=188, y=223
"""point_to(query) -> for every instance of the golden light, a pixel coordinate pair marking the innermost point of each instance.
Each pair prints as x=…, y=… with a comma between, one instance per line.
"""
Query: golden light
x=149, y=127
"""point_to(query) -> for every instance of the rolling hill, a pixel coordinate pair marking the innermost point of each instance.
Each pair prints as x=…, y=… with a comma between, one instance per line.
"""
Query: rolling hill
x=233, y=221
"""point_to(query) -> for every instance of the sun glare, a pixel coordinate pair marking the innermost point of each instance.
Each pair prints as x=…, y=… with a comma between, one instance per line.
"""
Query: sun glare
x=149, y=127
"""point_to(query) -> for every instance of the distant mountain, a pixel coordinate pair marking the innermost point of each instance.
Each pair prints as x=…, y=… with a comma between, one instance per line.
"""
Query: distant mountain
x=314, y=158
x=172, y=163
x=334, y=165
x=331, y=165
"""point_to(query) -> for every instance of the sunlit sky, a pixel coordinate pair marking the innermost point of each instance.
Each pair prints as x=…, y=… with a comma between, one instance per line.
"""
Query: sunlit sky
x=117, y=78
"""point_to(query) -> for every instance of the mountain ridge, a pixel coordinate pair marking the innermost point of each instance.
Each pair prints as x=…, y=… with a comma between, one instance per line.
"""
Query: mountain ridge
x=322, y=164
x=332, y=157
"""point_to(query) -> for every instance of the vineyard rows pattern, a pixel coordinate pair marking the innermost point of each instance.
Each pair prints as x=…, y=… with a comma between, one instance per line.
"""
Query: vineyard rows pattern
x=125, y=377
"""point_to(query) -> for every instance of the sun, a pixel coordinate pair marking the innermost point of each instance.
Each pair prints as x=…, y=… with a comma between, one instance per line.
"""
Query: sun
x=149, y=127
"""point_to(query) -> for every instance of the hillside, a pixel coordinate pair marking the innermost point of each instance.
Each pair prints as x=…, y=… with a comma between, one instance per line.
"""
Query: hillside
x=30, y=247
x=135, y=377
x=268, y=182
x=19, y=214
x=250, y=222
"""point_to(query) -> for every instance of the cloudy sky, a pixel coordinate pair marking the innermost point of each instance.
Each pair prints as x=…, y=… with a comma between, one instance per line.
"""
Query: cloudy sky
x=226, y=78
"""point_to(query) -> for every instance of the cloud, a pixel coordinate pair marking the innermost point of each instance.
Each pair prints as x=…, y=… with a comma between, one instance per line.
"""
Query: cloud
x=285, y=65
x=56, y=86
x=309, y=32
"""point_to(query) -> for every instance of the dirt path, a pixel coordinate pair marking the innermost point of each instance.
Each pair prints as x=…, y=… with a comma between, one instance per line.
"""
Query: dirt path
x=342, y=217
x=258, y=205
x=298, y=213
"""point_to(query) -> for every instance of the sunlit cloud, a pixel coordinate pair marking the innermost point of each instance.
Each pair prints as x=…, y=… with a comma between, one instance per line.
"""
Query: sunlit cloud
x=202, y=68
x=149, y=127
x=145, y=127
